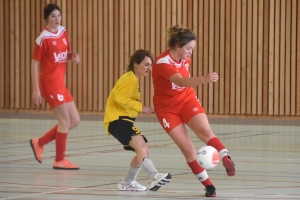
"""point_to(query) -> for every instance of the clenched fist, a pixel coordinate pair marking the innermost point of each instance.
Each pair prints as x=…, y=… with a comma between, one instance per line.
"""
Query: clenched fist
x=147, y=109
x=211, y=77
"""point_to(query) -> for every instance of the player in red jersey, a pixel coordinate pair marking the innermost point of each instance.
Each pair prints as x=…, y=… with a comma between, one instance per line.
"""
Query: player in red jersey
x=51, y=53
x=176, y=104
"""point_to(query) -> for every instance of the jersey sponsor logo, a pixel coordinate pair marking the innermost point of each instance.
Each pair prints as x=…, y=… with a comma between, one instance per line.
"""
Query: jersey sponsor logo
x=61, y=57
x=177, y=88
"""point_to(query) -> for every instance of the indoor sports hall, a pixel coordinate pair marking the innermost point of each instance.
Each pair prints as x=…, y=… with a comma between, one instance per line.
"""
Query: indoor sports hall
x=254, y=107
x=265, y=152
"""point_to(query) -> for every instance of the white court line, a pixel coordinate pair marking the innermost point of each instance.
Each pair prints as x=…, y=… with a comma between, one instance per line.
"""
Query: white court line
x=171, y=191
x=28, y=186
x=167, y=155
x=30, y=195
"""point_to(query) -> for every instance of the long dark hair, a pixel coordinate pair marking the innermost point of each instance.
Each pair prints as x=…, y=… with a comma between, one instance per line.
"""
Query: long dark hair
x=49, y=9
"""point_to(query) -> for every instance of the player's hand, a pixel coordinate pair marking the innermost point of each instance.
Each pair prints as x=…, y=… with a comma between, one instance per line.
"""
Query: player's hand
x=147, y=109
x=36, y=97
x=75, y=58
x=211, y=77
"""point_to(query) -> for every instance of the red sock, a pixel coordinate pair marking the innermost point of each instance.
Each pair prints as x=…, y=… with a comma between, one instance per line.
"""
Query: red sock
x=200, y=172
x=217, y=144
x=48, y=137
x=61, y=144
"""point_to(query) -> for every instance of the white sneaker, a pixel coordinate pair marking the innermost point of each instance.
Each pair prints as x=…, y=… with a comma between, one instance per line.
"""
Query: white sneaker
x=133, y=186
x=159, y=180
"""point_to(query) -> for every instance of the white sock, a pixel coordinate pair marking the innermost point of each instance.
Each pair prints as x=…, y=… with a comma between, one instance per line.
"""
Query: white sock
x=223, y=152
x=202, y=176
x=132, y=174
x=148, y=167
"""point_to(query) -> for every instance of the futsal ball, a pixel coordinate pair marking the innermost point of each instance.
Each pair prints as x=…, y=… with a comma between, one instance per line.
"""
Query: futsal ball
x=208, y=157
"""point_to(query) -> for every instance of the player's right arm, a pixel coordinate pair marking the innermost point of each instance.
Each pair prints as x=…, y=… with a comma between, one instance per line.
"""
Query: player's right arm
x=193, y=81
x=36, y=95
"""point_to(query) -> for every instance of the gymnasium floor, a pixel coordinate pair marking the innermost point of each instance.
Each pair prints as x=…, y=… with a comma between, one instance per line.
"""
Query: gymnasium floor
x=266, y=155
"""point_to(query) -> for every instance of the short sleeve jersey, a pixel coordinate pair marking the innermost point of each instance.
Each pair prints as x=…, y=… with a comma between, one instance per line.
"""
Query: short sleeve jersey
x=51, y=49
x=123, y=100
x=168, y=95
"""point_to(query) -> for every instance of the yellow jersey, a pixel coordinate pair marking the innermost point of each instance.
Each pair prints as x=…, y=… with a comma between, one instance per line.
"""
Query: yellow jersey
x=123, y=100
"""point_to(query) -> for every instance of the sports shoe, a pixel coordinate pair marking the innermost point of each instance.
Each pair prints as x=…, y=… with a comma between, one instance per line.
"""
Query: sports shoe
x=210, y=191
x=37, y=150
x=64, y=164
x=159, y=180
x=133, y=186
x=229, y=165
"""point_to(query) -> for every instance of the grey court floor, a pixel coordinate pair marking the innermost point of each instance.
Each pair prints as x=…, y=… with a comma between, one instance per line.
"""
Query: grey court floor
x=266, y=154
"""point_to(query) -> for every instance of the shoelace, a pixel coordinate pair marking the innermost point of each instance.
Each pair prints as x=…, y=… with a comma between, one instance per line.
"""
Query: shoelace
x=157, y=176
x=135, y=184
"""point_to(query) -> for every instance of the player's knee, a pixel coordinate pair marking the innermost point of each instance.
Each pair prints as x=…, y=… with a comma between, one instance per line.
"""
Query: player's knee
x=74, y=122
x=189, y=153
x=143, y=150
x=64, y=124
x=205, y=134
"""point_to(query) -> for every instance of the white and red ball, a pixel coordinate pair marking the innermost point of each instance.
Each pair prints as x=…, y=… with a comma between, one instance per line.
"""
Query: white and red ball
x=208, y=157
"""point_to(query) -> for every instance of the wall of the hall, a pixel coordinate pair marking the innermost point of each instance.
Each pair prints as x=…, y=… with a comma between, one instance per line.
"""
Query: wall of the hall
x=254, y=45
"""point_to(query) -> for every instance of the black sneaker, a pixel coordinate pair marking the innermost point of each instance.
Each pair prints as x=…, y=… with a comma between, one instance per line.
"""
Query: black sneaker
x=210, y=191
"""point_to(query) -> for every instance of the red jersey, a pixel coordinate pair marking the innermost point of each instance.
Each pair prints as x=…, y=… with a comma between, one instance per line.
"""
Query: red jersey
x=168, y=95
x=51, y=49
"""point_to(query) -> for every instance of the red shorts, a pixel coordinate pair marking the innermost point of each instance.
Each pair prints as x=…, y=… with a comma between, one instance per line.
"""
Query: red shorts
x=180, y=114
x=57, y=97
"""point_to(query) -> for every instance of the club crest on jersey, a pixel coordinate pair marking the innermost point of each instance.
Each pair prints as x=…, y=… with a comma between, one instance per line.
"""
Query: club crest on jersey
x=61, y=57
x=65, y=41
x=186, y=67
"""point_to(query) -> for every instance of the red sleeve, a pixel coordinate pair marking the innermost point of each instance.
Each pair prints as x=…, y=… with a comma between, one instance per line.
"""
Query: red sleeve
x=67, y=38
x=38, y=51
x=165, y=70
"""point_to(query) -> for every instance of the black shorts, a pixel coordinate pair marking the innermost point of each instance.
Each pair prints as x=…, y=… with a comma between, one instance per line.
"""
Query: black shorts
x=123, y=129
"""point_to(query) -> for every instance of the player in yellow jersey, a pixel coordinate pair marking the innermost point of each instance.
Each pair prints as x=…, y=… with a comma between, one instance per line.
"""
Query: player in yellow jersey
x=122, y=108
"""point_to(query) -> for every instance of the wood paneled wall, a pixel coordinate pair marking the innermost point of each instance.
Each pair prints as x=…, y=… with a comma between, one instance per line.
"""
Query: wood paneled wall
x=254, y=45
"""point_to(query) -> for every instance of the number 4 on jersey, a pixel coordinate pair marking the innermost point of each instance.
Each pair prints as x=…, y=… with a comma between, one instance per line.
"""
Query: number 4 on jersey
x=166, y=124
